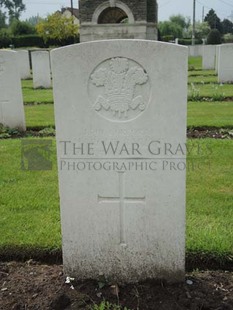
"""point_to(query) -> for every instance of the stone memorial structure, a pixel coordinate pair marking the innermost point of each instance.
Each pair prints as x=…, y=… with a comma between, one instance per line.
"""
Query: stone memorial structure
x=24, y=65
x=208, y=57
x=120, y=115
x=225, y=63
x=11, y=99
x=41, y=69
x=115, y=19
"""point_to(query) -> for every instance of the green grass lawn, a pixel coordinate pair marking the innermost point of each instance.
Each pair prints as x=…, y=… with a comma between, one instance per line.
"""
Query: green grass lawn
x=31, y=95
x=209, y=199
x=29, y=204
x=216, y=114
x=41, y=115
x=28, y=201
x=202, y=73
x=195, y=62
x=203, y=79
x=211, y=90
x=213, y=114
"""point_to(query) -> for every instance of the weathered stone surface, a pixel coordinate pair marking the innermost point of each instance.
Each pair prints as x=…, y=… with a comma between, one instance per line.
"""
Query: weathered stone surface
x=11, y=99
x=121, y=129
x=23, y=63
x=98, y=24
x=144, y=10
x=225, y=63
x=208, y=57
x=41, y=69
x=195, y=50
x=217, y=56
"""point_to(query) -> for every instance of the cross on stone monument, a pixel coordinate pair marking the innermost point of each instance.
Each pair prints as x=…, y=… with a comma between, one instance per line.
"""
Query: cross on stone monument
x=122, y=199
x=2, y=110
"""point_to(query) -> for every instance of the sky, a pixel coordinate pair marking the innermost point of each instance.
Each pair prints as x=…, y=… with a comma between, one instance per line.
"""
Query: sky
x=223, y=8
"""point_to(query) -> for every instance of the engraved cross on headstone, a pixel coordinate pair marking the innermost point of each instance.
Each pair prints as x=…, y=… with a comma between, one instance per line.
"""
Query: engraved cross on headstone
x=2, y=102
x=122, y=199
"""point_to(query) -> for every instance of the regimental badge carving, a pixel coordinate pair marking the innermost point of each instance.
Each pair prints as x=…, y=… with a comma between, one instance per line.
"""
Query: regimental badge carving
x=119, y=89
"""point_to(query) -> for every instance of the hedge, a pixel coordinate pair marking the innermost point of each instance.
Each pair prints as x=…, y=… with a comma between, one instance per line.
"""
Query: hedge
x=170, y=38
x=33, y=40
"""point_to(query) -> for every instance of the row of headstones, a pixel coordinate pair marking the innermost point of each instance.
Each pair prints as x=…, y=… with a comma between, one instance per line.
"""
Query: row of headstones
x=15, y=66
x=220, y=59
x=40, y=65
x=216, y=57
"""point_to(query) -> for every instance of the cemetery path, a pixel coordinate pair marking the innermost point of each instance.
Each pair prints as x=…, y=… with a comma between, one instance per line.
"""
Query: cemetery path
x=34, y=286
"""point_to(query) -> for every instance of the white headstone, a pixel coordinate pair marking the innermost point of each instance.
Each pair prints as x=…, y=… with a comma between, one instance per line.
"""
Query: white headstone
x=208, y=58
x=24, y=65
x=225, y=63
x=11, y=99
x=195, y=50
x=41, y=69
x=217, y=56
x=120, y=111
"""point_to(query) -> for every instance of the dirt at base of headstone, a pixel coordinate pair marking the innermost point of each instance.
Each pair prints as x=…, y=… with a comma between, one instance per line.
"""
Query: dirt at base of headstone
x=35, y=286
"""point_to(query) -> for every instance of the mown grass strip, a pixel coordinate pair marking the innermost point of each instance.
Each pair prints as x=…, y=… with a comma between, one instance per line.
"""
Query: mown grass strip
x=210, y=114
x=28, y=202
x=211, y=90
x=195, y=63
x=213, y=114
x=204, y=79
x=31, y=96
x=202, y=73
x=39, y=116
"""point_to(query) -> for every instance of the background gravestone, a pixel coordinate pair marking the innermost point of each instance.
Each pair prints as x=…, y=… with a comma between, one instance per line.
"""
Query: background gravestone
x=208, y=57
x=41, y=69
x=11, y=99
x=216, y=58
x=225, y=63
x=121, y=130
x=195, y=50
x=24, y=65
x=115, y=19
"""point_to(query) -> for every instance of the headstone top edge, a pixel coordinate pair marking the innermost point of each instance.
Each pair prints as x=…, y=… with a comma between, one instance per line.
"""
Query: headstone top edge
x=112, y=41
x=7, y=51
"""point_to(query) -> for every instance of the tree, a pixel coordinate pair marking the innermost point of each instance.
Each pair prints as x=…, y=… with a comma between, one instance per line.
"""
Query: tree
x=2, y=20
x=57, y=27
x=180, y=20
x=34, y=20
x=177, y=26
x=21, y=28
x=168, y=28
x=213, y=20
x=201, y=30
x=227, y=26
x=214, y=37
x=14, y=7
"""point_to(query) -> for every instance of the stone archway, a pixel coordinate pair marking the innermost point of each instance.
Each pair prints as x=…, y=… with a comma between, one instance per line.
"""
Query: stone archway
x=112, y=16
x=112, y=12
